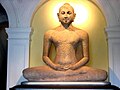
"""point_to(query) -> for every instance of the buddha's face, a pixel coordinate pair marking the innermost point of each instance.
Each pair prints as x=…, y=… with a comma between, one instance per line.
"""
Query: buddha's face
x=66, y=14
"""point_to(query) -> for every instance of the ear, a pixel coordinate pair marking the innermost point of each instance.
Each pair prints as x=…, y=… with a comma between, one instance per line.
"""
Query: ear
x=74, y=15
x=58, y=14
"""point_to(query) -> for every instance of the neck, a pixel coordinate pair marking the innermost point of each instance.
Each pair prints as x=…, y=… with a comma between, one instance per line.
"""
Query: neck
x=66, y=26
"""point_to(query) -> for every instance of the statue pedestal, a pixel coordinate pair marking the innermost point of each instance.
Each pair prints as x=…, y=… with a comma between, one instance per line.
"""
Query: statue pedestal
x=64, y=85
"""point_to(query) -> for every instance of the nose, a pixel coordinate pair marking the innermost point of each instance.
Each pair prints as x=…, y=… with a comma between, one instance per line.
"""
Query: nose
x=65, y=17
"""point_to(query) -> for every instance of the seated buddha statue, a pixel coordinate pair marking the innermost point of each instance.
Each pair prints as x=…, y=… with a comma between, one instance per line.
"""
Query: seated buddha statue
x=67, y=65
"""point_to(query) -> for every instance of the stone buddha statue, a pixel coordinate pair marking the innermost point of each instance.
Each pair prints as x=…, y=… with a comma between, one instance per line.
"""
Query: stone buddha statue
x=68, y=64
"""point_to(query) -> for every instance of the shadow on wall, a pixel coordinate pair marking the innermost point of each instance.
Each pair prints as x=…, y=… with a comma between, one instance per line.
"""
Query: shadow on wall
x=115, y=79
x=21, y=79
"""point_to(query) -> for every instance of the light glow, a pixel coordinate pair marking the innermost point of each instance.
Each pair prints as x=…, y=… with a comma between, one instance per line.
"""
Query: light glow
x=81, y=14
x=80, y=10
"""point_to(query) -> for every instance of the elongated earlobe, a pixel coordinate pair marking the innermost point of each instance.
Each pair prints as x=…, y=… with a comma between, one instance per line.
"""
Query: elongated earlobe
x=58, y=14
x=74, y=14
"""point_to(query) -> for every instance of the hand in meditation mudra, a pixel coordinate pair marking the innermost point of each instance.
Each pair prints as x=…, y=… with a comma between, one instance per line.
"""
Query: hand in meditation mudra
x=66, y=66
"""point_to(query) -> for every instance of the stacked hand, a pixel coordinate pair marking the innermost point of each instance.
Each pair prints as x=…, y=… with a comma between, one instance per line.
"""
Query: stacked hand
x=63, y=67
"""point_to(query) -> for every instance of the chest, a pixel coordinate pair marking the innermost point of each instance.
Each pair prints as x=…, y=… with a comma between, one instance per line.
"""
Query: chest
x=65, y=36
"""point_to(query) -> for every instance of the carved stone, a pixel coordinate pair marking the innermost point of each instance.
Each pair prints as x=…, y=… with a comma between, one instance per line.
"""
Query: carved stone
x=70, y=62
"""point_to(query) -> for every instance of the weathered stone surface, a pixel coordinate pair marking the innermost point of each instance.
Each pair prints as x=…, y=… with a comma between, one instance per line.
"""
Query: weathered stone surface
x=69, y=64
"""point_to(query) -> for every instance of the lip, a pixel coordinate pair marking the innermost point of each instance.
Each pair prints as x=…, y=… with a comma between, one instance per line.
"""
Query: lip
x=67, y=19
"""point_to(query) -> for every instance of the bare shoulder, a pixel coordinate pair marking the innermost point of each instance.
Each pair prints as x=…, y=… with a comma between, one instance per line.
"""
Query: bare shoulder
x=81, y=33
x=48, y=33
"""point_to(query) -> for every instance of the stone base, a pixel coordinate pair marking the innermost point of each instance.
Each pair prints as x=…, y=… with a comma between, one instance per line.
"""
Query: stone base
x=64, y=85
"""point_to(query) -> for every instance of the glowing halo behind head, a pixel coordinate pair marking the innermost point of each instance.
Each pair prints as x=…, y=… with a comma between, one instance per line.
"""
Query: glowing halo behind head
x=81, y=14
x=80, y=10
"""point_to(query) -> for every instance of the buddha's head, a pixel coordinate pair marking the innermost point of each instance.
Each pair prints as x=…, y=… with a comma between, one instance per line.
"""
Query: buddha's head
x=66, y=14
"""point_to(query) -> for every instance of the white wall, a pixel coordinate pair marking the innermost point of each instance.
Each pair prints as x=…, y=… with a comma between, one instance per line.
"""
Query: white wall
x=111, y=11
x=20, y=14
